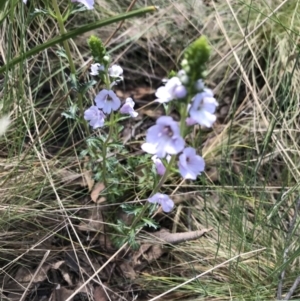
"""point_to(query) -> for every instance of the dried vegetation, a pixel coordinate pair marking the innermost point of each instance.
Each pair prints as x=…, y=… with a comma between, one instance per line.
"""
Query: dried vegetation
x=54, y=225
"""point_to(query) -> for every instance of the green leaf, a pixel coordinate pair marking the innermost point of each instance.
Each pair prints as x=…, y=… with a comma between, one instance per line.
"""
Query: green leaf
x=37, y=12
x=71, y=112
x=150, y=222
x=2, y=4
x=83, y=88
x=130, y=209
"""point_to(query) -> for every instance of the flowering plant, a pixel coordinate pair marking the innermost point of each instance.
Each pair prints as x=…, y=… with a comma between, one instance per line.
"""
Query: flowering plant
x=166, y=140
x=186, y=93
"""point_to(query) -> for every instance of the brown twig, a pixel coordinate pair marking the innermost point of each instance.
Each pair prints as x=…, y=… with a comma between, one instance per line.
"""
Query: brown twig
x=176, y=238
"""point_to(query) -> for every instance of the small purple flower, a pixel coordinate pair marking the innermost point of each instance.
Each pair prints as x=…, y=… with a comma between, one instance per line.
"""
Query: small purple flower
x=203, y=108
x=94, y=116
x=164, y=138
x=190, y=164
x=128, y=106
x=96, y=68
x=160, y=168
x=108, y=101
x=115, y=71
x=180, y=92
x=189, y=121
x=24, y=1
x=162, y=199
x=172, y=90
x=88, y=3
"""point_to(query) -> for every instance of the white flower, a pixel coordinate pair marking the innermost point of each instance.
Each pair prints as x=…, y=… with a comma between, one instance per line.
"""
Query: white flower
x=96, y=68
x=4, y=123
x=172, y=90
x=115, y=71
x=203, y=108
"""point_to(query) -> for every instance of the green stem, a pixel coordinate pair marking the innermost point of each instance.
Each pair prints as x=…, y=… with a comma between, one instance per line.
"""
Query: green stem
x=63, y=31
x=111, y=128
x=104, y=149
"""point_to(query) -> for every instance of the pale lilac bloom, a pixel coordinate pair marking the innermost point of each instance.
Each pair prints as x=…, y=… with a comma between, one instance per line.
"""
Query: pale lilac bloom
x=96, y=68
x=94, y=116
x=190, y=164
x=127, y=108
x=172, y=90
x=162, y=199
x=190, y=121
x=180, y=92
x=164, y=138
x=160, y=168
x=24, y=1
x=115, y=71
x=108, y=101
x=203, y=108
x=88, y=3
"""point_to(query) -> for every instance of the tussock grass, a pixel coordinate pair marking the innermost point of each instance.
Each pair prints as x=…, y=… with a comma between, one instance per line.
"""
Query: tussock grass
x=250, y=190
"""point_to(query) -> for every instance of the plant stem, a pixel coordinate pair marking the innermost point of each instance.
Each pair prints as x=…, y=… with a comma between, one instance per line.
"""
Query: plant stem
x=104, y=149
x=63, y=31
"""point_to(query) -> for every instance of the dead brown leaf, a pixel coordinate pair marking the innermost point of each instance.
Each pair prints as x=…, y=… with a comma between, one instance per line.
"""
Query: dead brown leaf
x=94, y=222
x=22, y=279
x=99, y=294
x=96, y=191
x=128, y=270
x=82, y=179
x=61, y=265
x=88, y=177
x=146, y=254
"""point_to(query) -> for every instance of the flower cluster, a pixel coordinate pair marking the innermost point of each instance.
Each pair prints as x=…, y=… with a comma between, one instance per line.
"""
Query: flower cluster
x=165, y=138
x=106, y=100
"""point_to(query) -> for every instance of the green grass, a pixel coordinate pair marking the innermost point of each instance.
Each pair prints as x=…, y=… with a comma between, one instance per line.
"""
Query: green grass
x=250, y=189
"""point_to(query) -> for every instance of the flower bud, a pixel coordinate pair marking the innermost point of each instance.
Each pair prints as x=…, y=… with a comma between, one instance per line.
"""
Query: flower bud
x=97, y=49
x=180, y=92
